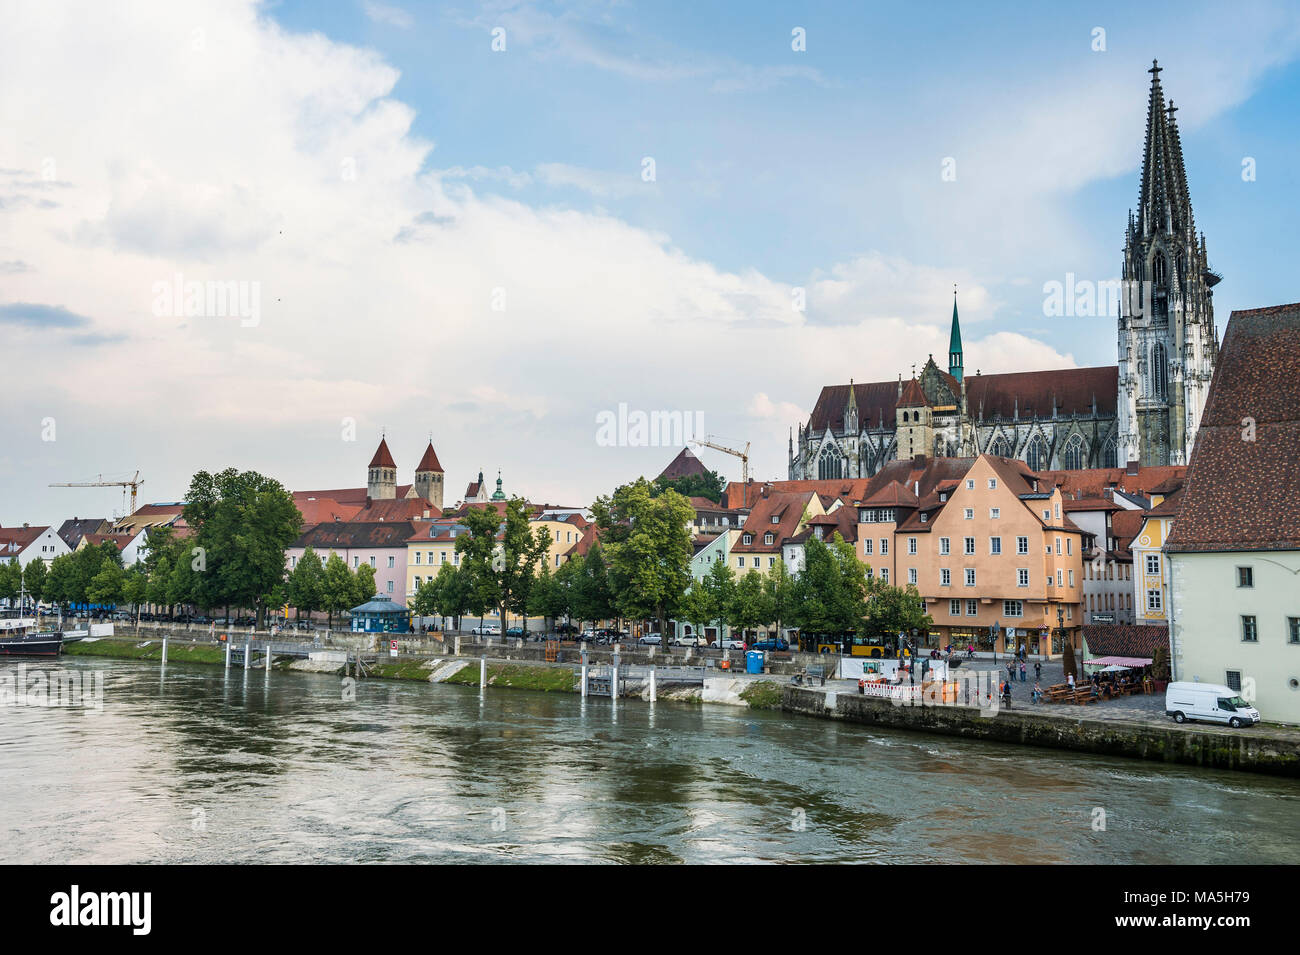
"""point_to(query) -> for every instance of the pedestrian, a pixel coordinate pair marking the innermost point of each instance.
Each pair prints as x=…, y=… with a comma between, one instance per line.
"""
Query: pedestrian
x=1069, y=678
x=1023, y=671
x=1022, y=651
x=1038, y=670
x=1011, y=670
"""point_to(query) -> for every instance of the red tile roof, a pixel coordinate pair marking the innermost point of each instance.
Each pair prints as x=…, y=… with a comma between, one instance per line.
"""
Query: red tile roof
x=1243, y=483
x=429, y=462
x=318, y=510
x=1125, y=639
x=383, y=458
x=912, y=396
x=787, y=507
x=353, y=534
x=686, y=464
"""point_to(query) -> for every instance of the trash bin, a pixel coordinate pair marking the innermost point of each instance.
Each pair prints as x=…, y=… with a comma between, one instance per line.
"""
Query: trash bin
x=754, y=661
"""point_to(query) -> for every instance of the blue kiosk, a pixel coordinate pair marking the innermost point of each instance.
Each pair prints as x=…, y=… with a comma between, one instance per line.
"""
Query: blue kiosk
x=381, y=615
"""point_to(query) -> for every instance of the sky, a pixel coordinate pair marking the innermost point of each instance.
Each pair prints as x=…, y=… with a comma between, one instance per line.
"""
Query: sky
x=495, y=223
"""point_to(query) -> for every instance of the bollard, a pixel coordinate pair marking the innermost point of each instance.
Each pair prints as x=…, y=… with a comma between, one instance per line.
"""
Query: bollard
x=584, y=679
x=653, y=693
x=267, y=652
x=227, y=654
x=248, y=655
x=164, y=658
x=613, y=681
x=482, y=672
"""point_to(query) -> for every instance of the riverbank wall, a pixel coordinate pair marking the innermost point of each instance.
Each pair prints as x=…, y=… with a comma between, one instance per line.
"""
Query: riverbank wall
x=1254, y=749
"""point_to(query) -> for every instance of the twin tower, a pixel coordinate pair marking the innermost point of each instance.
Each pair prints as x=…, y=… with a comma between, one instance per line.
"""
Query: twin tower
x=381, y=476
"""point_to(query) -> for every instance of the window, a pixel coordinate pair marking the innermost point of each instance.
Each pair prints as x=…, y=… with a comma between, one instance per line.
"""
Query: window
x=1058, y=545
x=911, y=545
x=1047, y=516
x=771, y=562
x=945, y=545
x=749, y=539
x=1036, y=454
x=356, y=562
x=884, y=574
x=995, y=513
x=954, y=608
x=866, y=545
x=372, y=560
x=970, y=576
x=1071, y=578
x=1153, y=564
x=884, y=546
x=1022, y=577
x=776, y=518
x=442, y=557
x=1249, y=631
x=993, y=484
x=995, y=545
x=1293, y=629
x=972, y=608
x=924, y=517
x=1245, y=577
x=1013, y=608
x=1074, y=457
x=1069, y=546
x=970, y=514
x=390, y=562
x=945, y=577
x=1022, y=545
x=1059, y=581
x=1233, y=679
x=969, y=545
x=911, y=575
x=417, y=556
x=768, y=538
x=390, y=586
x=970, y=484
x=740, y=562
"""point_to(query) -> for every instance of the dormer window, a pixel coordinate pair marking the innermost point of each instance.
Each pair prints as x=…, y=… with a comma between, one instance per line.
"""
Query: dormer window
x=776, y=519
x=818, y=531
x=749, y=538
x=767, y=538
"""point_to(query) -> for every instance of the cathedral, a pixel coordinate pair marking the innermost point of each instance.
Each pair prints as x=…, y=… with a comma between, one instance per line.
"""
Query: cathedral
x=1145, y=408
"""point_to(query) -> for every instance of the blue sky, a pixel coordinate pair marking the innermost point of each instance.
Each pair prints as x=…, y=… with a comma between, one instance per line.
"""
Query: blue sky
x=386, y=183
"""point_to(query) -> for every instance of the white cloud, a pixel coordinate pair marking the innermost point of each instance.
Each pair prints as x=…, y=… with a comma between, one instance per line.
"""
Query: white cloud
x=387, y=14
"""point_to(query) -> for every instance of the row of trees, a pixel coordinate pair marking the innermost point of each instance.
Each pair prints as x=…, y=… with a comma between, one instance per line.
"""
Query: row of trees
x=330, y=585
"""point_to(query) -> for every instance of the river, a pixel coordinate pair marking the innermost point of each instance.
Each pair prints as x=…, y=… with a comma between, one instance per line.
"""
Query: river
x=195, y=764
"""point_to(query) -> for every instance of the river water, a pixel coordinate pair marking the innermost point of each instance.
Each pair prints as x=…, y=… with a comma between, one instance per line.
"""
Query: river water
x=196, y=764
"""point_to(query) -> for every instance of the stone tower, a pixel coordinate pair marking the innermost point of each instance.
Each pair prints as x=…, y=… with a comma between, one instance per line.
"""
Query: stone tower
x=428, y=477
x=915, y=422
x=1167, y=339
x=381, y=477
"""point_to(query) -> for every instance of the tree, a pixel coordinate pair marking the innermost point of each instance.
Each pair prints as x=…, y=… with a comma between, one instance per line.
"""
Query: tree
x=778, y=588
x=10, y=572
x=830, y=593
x=647, y=542
x=696, y=608
x=748, y=608
x=709, y=484
x=243, y=521
x=453, y=593
x=135, y=587
x=893, y=610
x=305, y=588
x=338, y=589
x=502, y=552
x=33, y=579
x=60, y=583
x=108, y=586
x=592, y=599
x=546, y=598
x=719, y=590
x=363, y=584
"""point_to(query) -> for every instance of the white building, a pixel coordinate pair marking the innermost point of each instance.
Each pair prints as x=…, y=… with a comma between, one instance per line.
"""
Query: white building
x=1234, y=550
x=25, y=544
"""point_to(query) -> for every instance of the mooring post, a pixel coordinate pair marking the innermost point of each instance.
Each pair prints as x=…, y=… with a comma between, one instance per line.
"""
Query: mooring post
x=583, y=681
x=482, y=672
x=164, y=659
x=227, y=654
x=613, y=682
x=248, y=655
x=266, y=651
x=653, y=691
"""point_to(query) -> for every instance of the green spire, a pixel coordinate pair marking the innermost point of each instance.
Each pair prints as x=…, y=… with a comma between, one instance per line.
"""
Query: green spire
x=954, y=341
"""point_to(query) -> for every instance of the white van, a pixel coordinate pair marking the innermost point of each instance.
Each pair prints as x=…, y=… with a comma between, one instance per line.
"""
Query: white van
x=1209, y=702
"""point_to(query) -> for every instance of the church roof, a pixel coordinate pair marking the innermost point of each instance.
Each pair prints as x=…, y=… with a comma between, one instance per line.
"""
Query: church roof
x=954, y=338
x=892, y=494
x=430, y=460
x=383, y=458
x=1164, y=178
x=912, y=396
x=686, y=464
x=1243, y=487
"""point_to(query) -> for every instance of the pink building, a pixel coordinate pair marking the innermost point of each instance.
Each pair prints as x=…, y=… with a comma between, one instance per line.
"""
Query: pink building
x=381, y=544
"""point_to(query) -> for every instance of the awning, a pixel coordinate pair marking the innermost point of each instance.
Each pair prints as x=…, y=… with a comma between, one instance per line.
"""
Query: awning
x=1119, y=661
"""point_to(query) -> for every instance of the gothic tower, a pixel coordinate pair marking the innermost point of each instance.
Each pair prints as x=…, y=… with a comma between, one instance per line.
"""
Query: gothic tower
x=381, y=476
x=1167, y=339
x=428, y=477
x=954, y=342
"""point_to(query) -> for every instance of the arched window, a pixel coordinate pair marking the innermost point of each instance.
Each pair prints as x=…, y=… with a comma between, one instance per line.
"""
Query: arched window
x=867, y=461
x=1036, y=454
x=1075, y=456
x=1159, y=271
x=999, y=448
x=1109, y=454
x=830, y=464
x=1159, y=372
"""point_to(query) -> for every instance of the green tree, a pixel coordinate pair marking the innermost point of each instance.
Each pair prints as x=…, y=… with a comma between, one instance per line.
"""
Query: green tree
x=647, y=543
x=592, y=599
x=243, y=522
x=830, y=594
x=778, y=588
x=338, y=589
x=363, y=584
x=719, y=591
x=709, y=484
x=10, y=573
x=453, y=594
x=696, y=608
x=545, y=599
x=135, y=588
x=34, y=579
x=60, y=584
x=893, y=610
x=305, y=588
x=748, y=608
x=502, y=553
x=108, y=586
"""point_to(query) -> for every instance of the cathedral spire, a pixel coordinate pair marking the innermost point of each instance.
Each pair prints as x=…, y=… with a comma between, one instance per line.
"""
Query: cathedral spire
x=1163, y=205
x=954, y=341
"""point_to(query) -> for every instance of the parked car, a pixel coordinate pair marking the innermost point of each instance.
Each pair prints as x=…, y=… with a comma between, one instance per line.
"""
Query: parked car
x=729, y=645
x=515, y=632
x=563, y=629
x=774, y=643
x=651, y=640
x=587, y=635
x=199, y=618
x=691, y=641
x=245, y=621
x=486, y=631
x=1210, y=702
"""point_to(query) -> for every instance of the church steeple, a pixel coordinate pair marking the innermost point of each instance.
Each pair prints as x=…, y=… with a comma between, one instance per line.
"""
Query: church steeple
x=1167, y=339
x=954, y=342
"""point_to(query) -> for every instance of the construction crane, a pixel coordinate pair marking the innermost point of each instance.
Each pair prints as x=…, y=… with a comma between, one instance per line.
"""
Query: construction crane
x=743, y=455
x=133, y=483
